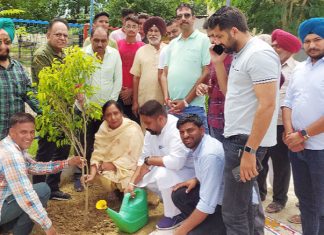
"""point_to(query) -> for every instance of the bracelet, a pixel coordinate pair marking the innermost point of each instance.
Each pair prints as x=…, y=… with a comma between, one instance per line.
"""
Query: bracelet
x=185, y=103
x=130, y=183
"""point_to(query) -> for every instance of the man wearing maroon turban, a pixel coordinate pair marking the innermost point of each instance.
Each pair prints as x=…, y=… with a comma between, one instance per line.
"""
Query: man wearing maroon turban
x=285, y=44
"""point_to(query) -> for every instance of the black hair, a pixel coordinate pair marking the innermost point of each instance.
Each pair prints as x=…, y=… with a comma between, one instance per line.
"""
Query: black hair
x=21, y=117
x=110, y=103
x=132, y=18
x=100, y=14
x=228, y=17
x=143, y=16
x=192, y=118
x=94, y=29
x=186, y=5
x=170, y=22
x=152, y=108
x=125, y=12
x=53, y=21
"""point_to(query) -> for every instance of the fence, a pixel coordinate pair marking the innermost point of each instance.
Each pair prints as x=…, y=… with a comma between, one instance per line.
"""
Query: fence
x=31, y=34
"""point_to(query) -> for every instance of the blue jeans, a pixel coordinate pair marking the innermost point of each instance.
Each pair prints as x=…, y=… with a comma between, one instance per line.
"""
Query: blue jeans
x=200, y=111
x=237, y=210
x=308, y=173
x=14, y=219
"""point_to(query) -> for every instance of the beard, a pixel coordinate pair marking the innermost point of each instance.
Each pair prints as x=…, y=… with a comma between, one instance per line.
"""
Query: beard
x=153, y=132
x=316, y=57
x=232, y=45
x=154, y=41
x=5, y=56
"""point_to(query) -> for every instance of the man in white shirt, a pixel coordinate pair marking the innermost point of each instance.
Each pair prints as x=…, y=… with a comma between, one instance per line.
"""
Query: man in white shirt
x=286, y=45
x=164, y=162
x=303, y=118
x=107, y=80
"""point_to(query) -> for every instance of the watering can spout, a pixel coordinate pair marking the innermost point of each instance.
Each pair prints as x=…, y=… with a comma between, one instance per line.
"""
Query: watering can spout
x=114, y=215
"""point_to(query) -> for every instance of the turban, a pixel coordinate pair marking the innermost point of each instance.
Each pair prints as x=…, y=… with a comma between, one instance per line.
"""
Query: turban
x=313, y=25
x=158, y=22
x=286, y=40
x=7, y=25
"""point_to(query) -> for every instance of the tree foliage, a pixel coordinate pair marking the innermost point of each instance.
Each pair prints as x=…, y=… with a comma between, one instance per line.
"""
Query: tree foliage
x=58, y=87
x=164, y=8
x=267, y=15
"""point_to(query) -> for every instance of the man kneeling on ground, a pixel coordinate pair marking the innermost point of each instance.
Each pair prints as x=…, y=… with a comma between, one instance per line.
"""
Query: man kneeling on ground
x=200, y=198
x=164, y=162
x=21, y=202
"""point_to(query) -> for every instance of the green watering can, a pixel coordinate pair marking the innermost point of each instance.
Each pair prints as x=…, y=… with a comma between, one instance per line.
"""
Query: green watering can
x=133, y=214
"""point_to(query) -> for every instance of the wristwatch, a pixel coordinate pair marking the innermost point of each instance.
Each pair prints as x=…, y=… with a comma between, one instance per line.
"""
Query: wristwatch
x=304, y=134
x=249, y=150
x=146, y=161
x=185, y=103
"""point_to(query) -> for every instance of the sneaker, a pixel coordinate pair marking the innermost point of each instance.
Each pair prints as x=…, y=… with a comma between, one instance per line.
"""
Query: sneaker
x=59, y=195
x=169, y=223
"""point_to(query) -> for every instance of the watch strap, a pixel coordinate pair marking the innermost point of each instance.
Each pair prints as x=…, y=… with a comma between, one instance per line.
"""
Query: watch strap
x=249, y=150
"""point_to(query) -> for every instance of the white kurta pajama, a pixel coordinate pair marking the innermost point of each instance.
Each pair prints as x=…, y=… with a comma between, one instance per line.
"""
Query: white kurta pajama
x=178, y=166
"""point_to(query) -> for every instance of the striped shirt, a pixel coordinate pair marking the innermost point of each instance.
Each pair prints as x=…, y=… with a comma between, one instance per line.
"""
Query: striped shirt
x=15, y=165
x=15, y=86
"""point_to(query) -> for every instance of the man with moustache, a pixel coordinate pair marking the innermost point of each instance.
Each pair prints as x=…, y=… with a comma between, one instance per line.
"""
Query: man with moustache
x=303, y=119
x=251, y=109
x=145, y=67
x=286, y=45
x=186, y=66
x=200, y=198
x=101, y=20
x=21, y=202
x=57, y=39
x=107, y=80
x=15, y=83
x=127, y=49
x=172, y=31
x=163, y=162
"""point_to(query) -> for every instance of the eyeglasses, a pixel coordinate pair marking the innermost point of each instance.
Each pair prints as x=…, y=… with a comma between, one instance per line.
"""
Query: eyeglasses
x=131, y=27
x=186, y=16
x=60, y=35
x=6, y=42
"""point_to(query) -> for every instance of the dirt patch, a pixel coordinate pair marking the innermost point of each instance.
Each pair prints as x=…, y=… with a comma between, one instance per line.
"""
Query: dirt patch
x=68, y=216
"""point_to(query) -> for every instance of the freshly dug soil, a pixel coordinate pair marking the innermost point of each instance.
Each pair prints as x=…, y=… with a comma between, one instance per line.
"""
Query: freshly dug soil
x=69, y=219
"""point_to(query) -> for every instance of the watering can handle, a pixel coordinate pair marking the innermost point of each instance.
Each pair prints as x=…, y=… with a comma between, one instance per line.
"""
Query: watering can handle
x=127, y=196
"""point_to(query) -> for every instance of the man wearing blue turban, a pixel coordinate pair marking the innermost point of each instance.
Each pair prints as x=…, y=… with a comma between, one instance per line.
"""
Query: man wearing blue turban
x=303, y=116
x=14, y=81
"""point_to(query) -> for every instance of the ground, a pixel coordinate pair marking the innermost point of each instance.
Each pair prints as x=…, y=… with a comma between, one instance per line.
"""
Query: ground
x=68, y=216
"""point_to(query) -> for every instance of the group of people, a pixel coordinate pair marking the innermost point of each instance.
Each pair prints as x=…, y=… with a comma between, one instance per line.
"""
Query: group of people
x=206, y=168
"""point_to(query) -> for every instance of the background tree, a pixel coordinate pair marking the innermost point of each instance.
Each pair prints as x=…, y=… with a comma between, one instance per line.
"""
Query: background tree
x=163, y=8
x=267, y=15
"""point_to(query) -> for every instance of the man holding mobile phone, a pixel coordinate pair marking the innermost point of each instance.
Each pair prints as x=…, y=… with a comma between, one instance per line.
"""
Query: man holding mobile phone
x=251, y=108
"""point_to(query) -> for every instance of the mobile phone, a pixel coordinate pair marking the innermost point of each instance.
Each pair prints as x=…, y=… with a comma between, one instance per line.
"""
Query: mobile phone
x=218, y=49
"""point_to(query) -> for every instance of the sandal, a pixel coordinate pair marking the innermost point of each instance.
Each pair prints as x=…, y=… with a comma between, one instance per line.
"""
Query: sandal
x=295, y=219
x=274, y=207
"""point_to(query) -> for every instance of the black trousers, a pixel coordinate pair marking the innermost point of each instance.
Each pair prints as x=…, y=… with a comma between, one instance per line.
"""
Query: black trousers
x=281, y=170
x=187, y=202
x=48, y=151
x=127, y=109
x=92, y=128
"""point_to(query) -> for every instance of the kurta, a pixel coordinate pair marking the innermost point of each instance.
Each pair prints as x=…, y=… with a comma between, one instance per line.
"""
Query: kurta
x=122, y=147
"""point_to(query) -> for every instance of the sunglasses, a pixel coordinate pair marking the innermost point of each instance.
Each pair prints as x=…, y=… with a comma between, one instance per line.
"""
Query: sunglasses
x=186, y=16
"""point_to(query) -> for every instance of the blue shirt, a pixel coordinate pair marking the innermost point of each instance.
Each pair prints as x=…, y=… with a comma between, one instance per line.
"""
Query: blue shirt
x=209, y=161
x=305, y=98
